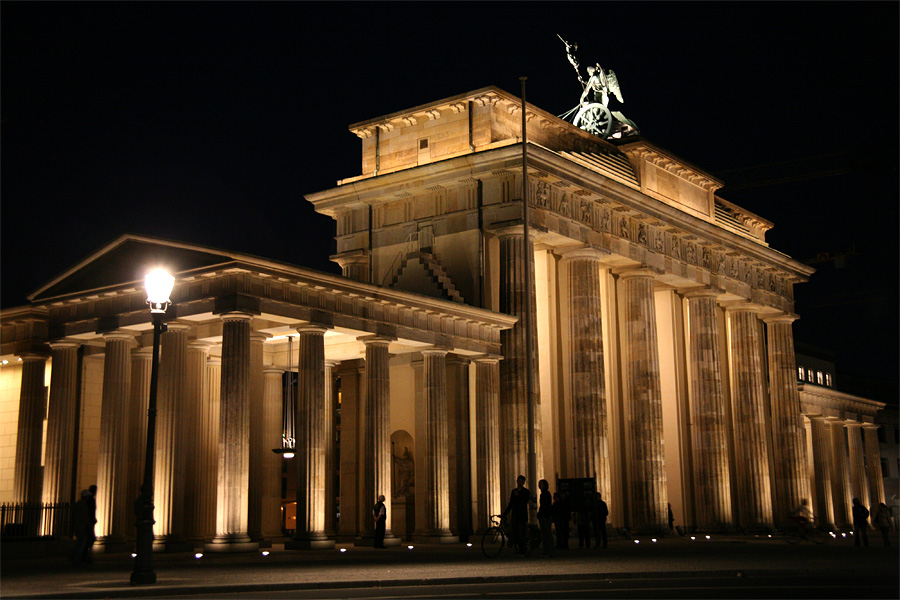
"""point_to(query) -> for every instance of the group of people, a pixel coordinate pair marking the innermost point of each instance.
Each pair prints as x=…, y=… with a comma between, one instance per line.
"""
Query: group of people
x=883, y=521
x=555, y=514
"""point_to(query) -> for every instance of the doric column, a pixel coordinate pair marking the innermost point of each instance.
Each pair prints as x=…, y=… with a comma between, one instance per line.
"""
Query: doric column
x=487, y=439
x=115, y=515
x=377, y=444
x=436, y=485
x=646, y=475
x=168, y=469
x=309, y=430
x=709, y=433
x=138, y=403
x=208, y=459
x=787, y=426
x=59, y=456
x=873, y=460
x=748, y=410
x=513, y=403
x=234, y=437
x=588, y=380
x=270, y=492
x=331, y=457
x=856, y=481
x=260, y=446
x=29, y=437
x=823, y=457
x=196, y=445
x=840, y=475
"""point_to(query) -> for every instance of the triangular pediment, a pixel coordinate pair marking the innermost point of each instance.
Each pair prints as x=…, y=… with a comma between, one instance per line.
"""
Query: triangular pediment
x=126, y=260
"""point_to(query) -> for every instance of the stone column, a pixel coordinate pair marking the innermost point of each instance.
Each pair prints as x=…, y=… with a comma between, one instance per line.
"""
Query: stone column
x=786, y=422
x=436, y=485
x=309, y=426
x=270, y=492
x=331, y=457
x=377, y=444
x=59, y=456
x=873, y=459
x=29, y=478
x=646, y=474
x=196, y=443
x=208, y=460
x=840, y=478
x=487, y=439
x=115, y=513
x=709, y=432
x=168, y=469
x=234, y=438
x=260, y=446
x=138, y=403
x=587, y=372
x=822, y=455
x=748, y=409
x=513, y=403
x=856, y=481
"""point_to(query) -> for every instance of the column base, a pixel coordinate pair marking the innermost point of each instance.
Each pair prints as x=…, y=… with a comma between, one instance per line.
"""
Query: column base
x=228, y=544
x=369, y=541
x=309, y=544
x=112, y=545
x=172, y=545
x=438, y=537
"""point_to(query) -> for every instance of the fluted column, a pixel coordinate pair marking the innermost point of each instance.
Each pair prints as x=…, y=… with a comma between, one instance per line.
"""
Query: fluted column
x=823, y=456
x=114, y=508
x=29, y=434
x=840, y=475
x=857, y=484
x=709, y=432
x=260, y=446
x=195, y=445
x=59, y=456
x=309, y=426
x=513, y=403
x=270, y=492
x=331, y=457
x=437, y=481
x=138, y=402
x=748, y=410
x=646, y=475
x=234, y=438
x=377, y=444
x=873, y=460
x=487, y=439
x=588, y=377
x=787, y=425
x=168, y=470
x=208, y=459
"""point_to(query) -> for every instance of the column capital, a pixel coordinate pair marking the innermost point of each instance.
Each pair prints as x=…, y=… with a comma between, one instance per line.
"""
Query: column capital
x=273, y=369
x=311, y=328
x=641, y=271
x=514, y=231
x=62, y=344
x=178, y=326
x=780, y=318
x=741, y=306
x=127, y=336
x=259, y=336
x=487, y=358
x=873, y=426
x=33, y=356
x=435, y=350
x=704, y=292
x=236, y=316
x=199, y=345
x=374, y=340
x=585, y=253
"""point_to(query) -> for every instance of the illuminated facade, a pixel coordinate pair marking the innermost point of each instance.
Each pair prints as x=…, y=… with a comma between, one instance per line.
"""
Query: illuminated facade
x=664, y=362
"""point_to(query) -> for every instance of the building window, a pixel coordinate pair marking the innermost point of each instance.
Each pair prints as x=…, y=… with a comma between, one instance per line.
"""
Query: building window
x=884, y=468
x=828, y=379
x=819, y=378
x=800, y=373
x=882, y=437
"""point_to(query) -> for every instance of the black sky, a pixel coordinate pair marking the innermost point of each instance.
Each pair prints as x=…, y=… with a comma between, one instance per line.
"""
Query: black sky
x=207, y=122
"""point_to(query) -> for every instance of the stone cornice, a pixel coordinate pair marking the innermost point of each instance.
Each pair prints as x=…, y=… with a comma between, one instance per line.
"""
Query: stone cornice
x=642, y=150
x=833, y=399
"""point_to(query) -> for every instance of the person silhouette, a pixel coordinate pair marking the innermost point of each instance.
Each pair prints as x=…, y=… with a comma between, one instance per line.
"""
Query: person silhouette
x=860, y=523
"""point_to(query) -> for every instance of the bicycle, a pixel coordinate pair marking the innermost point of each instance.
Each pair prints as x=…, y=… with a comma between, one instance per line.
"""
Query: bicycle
x=497, y=537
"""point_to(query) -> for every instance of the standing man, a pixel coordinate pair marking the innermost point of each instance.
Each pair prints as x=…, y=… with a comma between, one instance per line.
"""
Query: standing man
x=379, y=514
x=545, y=517
x=860, y=523
x=518, y=506
x=601, y=512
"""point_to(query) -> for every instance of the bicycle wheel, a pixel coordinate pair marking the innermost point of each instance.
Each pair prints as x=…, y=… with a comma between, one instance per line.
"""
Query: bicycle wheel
x=492, y=542
x=533, y=535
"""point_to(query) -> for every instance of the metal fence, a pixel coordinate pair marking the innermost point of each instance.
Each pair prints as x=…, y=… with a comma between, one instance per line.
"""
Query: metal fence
x=35, y=519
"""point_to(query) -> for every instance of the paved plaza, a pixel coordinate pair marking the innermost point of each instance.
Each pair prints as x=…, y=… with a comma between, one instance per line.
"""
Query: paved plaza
x=285, y=570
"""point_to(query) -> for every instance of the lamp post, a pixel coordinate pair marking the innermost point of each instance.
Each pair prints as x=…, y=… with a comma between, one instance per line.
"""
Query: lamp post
x=158, y=284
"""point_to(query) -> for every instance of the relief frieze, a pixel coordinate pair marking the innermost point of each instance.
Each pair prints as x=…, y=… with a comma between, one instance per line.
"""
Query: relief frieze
x=642, y=235
x=587, y=212
x=623, y=228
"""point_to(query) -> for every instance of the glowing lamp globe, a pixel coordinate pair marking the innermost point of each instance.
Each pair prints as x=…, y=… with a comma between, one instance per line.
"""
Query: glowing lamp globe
x=158, y=284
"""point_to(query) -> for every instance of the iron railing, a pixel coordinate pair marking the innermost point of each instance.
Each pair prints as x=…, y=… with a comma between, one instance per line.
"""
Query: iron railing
x=35, y=519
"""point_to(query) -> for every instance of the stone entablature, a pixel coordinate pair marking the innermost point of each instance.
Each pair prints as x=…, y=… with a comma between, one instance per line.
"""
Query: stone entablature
x=818, y=401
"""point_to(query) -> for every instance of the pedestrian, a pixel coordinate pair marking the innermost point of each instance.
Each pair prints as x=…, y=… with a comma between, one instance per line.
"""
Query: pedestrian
x=884, y=522
x=584, y=523
x=860, y=523
x=518, y=507
x=671, y=517
x=561, y=516
x=379, y=515
x=84, y=519
x=601, y=512
x=802, y=517
x=545, y=517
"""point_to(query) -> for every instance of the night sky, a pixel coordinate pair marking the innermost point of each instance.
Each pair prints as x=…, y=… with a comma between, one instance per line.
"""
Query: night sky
x=208, y=122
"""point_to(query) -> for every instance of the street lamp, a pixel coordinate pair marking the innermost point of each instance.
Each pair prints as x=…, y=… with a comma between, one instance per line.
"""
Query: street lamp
x=158, y=284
